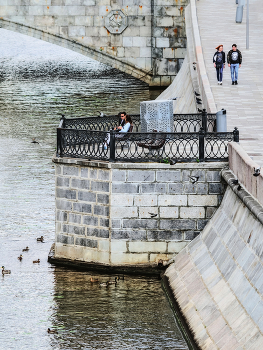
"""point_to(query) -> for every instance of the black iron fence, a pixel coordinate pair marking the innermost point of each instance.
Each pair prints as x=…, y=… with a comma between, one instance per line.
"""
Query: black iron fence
x=140, y=147
x=182, y=122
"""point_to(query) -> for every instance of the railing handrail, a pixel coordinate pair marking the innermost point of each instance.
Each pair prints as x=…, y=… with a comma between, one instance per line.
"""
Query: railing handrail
x=136, y=115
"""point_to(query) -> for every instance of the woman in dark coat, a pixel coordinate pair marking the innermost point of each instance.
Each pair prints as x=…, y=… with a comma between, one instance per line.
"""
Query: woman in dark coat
x=219, y=60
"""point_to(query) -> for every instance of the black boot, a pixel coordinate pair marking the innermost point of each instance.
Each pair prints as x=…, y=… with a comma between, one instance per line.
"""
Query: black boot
x=233, y=83
x=236, y=82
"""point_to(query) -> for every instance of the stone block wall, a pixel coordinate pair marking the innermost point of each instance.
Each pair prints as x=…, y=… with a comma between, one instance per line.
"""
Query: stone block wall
x=153, y=38
x=82, y=212
x=130, y=214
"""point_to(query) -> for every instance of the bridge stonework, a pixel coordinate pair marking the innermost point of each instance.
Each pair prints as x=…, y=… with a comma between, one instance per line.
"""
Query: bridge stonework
x=143, y=38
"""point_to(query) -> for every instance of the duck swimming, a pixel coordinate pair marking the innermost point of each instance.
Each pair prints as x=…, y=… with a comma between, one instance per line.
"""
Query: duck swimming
x=52, y=331
x=104, y=284
x=26, y=249
x=94, y=280
x=40, y=239
x=113, y=282
x=36, y=261
x=20, y=257
x=5, y=272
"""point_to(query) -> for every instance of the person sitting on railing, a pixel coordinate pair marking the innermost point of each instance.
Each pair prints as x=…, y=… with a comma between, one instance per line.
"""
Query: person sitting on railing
x=122, y=129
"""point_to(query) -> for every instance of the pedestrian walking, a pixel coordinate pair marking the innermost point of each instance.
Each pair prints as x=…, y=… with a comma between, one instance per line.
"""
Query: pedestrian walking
x=219, y=60
x=234, y=60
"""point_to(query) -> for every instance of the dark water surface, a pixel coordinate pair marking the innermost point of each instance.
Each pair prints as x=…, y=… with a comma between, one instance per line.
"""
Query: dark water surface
x=38, y=81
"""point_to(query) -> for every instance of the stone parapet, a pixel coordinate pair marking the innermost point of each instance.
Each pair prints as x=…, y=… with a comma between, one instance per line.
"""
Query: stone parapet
x=244, y=167
x=131, y=214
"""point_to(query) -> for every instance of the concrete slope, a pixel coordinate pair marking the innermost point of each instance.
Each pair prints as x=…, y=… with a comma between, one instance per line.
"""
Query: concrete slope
x=217, y=279
x=185, y=83
x=244, y=102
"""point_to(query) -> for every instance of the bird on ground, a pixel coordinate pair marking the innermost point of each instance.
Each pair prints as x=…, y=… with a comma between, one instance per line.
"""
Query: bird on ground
x=194, y=67
x=36, y=261
x=193, y=179
x=198, y=102
x=256, y=171
x=52, y=331
x=20, y=257
x=198, y=99
x=153, y=215
x=101, y=114
x=194, y=63
x=104, y=284
x=40, y=239
x=196, y=94
x=235, y=182
x=26, y=249
x=199, y=110
x=113, y=282
x=239, y=187
x=94, y=280
x=174, y=98
x=5, y=272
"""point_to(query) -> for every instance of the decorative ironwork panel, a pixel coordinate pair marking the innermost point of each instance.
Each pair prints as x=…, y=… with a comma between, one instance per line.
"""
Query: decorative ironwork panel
x=99, y=123
x=216, y=145
x=181, y=123
x=83, y=144
x=211, y=122
x=157, y=147
x=187, y=122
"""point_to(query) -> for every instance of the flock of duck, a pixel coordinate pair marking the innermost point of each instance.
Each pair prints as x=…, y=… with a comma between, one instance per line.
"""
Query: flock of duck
x=107, y=283
x=20, y=258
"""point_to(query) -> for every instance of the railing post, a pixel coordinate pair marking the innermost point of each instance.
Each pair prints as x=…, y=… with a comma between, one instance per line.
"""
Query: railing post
x=236, y=134
x=62, y=121
x=112, y=146
x=204, y=120
x=201, y=145
x=59, y=148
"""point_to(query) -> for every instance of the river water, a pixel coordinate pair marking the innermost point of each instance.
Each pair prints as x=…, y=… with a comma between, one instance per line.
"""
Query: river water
x=38, y=82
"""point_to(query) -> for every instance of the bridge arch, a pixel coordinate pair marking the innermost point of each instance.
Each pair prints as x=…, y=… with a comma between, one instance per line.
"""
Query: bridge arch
x=78, y=47
x=145, y=38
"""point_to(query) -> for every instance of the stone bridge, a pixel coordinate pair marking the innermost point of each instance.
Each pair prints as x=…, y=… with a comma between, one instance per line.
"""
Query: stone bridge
x=145, y=39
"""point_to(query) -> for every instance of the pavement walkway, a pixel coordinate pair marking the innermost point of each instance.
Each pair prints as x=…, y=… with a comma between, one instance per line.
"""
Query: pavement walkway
x=243, y=102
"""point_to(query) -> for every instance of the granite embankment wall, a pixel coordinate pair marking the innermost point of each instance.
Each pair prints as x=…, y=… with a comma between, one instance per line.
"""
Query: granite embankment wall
x=103, y=209
x=217, y=280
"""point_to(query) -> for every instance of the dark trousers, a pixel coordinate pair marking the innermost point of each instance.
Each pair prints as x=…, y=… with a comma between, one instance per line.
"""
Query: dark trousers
x=219, y=74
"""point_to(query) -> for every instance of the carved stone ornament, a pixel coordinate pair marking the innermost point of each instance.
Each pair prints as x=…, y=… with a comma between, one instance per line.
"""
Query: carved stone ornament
x=116, y=22
x=157, y=115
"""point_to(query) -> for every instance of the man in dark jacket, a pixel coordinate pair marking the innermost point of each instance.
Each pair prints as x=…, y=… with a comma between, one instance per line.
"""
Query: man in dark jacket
x=234, y=60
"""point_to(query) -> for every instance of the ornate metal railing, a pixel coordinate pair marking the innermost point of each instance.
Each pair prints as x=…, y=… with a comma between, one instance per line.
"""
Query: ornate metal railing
x=141, y=147
x=182, y=122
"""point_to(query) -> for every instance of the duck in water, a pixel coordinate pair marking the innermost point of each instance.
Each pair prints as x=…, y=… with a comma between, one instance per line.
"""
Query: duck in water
x=5, y=272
